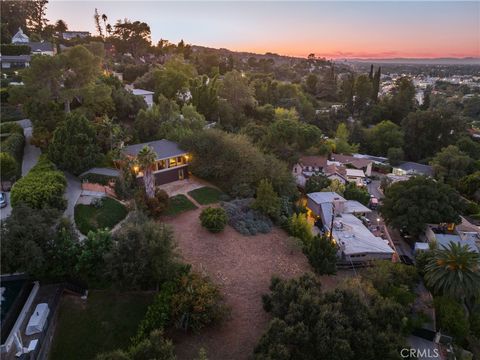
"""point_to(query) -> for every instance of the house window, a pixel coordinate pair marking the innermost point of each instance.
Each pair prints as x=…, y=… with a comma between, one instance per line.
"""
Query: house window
x=173, y=162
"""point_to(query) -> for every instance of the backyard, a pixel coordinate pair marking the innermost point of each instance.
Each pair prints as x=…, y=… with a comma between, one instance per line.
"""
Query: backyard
x=106, y=321
x=179, y=204
x=206, y=195
x=105, y=213
x=242, y=266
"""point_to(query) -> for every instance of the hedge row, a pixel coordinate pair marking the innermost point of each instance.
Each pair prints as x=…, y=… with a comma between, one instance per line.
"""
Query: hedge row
x=42, y=187
x=13, y=145
x=13, y=50
x=10, y=127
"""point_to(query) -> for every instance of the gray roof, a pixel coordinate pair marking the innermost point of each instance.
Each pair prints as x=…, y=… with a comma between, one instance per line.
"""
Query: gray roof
x=40, y=46
x=102, y=171
x=15, y=58
x=416, y=168
x=163, y=148
x=325, y=197
x=142, y=92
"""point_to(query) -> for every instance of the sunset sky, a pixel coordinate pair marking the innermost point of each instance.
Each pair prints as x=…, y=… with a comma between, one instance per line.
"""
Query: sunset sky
x=331, y=29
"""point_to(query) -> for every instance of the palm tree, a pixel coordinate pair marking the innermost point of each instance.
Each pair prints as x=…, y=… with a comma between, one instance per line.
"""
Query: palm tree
x=104, y=18
x=146, y=159
x=454, y=271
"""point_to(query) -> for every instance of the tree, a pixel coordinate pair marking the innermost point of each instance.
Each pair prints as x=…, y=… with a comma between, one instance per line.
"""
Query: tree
x=142, y=255
x=383, y=136
x=419, y=201
x=316, y=183
x=470, y=186
x=91, y=263
x=426, y=132
x=454, y=271
x=311, y=83
x=395, y=156
x=236, y=90
x=322, y=255
x=353, y=192
x=61, y=26
x=205, y=96
x=363, y=93
x=403, y=100
x=73, y=147
x=299, y=227
x=376, y=85
x=36, y=20
x=214, y=219
x=267, y=201
x=146, y=158
x=451, y=317
x=451, y=164
x=132, y=37
x=341, y=141
x=335, y=186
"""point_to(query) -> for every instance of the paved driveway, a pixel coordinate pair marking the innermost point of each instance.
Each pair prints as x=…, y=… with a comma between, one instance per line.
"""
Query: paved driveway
x=72, y=193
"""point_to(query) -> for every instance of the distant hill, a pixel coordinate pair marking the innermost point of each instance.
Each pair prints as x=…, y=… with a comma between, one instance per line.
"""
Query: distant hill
x=419, y=61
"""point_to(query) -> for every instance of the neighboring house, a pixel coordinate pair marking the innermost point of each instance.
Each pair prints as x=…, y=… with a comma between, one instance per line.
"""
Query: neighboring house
x=353, y=162
x=147, y=95
x=308, y=166
x=15, y=61
x=412, y=168
x=356, y=243
x=356, y=176
x=68, y=35
x=171, y=162
x=36, y=47
x=335, y=172
x=443, y=235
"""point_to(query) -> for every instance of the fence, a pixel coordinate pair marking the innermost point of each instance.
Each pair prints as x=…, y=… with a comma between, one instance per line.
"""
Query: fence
x=98, y=188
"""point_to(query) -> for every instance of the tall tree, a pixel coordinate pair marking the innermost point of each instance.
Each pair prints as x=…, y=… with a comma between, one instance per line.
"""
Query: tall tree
x=376, y=85
x=96, y=18
x=37, y=20
x=61, y=26
x=132, y=37
x=146, y=158
x=451, y=164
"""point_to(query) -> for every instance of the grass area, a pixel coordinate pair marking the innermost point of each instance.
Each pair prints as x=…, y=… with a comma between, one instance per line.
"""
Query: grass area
x=178, y=204
x=206, y=195
x=90, y=217
x=105, y=322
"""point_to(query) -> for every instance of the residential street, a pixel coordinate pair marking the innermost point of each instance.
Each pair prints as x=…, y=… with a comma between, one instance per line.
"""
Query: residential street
x=31, y=154
x=373, y=189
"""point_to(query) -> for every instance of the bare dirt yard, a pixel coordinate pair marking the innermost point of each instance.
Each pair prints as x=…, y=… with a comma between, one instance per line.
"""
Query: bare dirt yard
x=242, y=266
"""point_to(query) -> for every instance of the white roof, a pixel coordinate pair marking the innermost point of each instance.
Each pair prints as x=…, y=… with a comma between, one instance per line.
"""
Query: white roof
x=20, y=37
x=355, y=238
x=421, y=246
x=142, y=92
x=355, y=173
x=38, y=319
x=353, y=206
x=325, y=197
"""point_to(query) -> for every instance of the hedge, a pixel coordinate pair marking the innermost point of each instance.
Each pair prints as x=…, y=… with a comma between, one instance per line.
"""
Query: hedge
x=10, y=127
x=14, y=145
x=42, y=187
x=13, y=50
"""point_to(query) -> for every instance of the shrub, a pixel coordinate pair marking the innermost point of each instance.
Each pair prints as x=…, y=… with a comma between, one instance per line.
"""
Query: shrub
x=267, y=200
x=246, y=220
x=153, y=207
x=14, y=49
x=8, y=167
x=213, y=219
x=10, y=127
x=42, y=187
x=299, y=227
x=322, y=255
x=451, y=317
x=14, y=145
x=97, y=178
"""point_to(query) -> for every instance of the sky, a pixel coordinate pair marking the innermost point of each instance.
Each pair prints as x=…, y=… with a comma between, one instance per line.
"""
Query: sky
x=342, y=29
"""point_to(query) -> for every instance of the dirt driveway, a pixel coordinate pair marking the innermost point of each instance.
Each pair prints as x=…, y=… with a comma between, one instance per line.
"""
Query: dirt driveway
x=242, y=266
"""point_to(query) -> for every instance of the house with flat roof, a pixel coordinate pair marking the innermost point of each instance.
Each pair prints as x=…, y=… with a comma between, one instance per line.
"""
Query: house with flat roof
x=69, y=35
x=409, y=168
x=340, y=218
x=146, y=94
x=171, y=162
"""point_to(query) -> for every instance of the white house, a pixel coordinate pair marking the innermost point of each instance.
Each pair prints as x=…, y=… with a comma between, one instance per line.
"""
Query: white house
x=36, y=47
x=147, y=95
x=355, y=241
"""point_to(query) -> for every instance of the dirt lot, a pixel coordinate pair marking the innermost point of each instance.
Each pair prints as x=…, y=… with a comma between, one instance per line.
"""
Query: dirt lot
x=242, y=266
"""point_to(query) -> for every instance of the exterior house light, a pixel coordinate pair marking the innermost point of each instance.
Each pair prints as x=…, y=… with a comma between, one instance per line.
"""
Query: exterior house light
x=136, y=169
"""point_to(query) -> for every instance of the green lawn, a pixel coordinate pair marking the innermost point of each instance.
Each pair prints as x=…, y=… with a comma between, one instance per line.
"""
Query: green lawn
x=178, y=204
x=206, y=195
x=89, y=217
x=106, y=321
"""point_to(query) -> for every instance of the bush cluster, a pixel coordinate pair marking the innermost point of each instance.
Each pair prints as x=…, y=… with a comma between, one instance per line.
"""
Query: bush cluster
x=214, y=219
x=10, y=127
x=153, y=207
x=246, y=220
x=42, y=187
x=15, y=50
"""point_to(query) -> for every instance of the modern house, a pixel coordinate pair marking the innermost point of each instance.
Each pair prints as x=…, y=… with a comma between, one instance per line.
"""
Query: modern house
x=340, y=219
x=412, y=168
x=444, y=234
x=171, y=163
x=146, y=94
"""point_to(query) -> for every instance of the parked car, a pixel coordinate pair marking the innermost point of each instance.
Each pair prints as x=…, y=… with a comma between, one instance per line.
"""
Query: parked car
x=3, y=199
x=368, y=181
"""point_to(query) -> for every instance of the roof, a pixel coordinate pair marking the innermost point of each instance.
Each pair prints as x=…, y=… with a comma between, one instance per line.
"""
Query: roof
x=446, y=239
x=102, y=171
x=163, y=148
x=355, y=173
x=353, y=206
x=315, y=161
x=358, y=163
x=335, y=169
x=15, y=58
x=20, y=37
x=40, y=46
x=416, y=168
x=376, y=159
x=142, y=92
x=325, y=197
x=422, y=246
x=355, y=238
